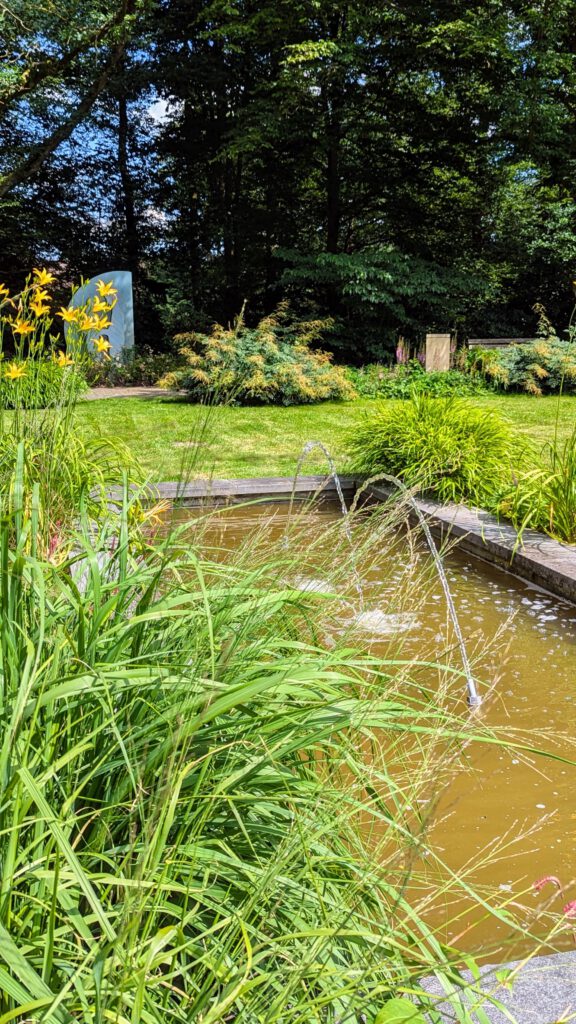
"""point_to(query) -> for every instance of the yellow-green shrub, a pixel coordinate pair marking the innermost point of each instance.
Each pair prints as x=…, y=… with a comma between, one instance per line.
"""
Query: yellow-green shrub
x=270, y=364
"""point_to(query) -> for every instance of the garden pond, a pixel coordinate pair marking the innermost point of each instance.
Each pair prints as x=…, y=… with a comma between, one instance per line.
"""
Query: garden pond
x=509, y=818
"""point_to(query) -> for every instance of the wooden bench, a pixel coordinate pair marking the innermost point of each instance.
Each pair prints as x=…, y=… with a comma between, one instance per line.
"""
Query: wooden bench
x=497, y=342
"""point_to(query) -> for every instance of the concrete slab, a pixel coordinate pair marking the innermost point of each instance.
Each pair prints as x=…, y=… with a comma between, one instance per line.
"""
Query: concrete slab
x=533, y=557
x=543, y=992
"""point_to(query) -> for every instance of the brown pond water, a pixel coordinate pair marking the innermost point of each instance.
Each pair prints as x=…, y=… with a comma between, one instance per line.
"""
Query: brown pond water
x=512, y=817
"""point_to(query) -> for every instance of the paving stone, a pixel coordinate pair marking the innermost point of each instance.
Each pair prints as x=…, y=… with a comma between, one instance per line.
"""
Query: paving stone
x=543, y=992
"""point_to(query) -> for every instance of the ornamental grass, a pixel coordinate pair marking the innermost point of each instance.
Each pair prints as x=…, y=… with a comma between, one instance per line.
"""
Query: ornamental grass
x=210, y=789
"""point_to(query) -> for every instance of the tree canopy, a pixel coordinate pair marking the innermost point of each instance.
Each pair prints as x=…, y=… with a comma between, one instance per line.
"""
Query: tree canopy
x=398, y=167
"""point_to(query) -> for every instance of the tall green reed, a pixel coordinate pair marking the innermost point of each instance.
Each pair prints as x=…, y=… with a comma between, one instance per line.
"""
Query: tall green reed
x=544, y=497
x=206, y=808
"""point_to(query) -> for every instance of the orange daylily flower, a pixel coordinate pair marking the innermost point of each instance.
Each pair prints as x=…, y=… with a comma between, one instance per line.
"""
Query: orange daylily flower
x=102, y=307
x=39, y=309
x=68, y=315
x=102, y=345
x=22, y=327
x=88, y=323
x=101, y=323
x=63, y=360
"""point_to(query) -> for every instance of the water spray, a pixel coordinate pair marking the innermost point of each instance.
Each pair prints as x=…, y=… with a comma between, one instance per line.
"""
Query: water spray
x=309, y=447
x=473, y=697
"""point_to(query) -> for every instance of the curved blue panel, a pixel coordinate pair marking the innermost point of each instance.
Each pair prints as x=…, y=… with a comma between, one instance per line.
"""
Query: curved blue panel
x=120, y=334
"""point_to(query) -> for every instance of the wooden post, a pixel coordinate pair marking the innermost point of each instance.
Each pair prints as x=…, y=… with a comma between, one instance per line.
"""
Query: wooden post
x=437, y=352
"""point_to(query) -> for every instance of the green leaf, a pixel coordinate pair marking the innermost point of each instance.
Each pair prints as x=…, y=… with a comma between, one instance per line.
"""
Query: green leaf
x=505, y=978
x=399, y=1011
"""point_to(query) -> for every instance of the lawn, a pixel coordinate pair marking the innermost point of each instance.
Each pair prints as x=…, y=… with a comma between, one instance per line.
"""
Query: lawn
x=167, y=435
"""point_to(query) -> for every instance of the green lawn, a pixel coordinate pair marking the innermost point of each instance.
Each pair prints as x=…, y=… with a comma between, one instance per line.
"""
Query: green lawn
x=266, y=441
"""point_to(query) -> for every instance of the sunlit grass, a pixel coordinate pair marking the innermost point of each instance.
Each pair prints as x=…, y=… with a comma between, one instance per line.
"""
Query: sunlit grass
x=266, y=441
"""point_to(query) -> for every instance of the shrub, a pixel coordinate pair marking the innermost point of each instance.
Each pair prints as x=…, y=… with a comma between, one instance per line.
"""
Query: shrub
x=439, y=445
x=271, y=363
x=375, y=381
x=45, y=383
x=544, y=366
x=134, y=370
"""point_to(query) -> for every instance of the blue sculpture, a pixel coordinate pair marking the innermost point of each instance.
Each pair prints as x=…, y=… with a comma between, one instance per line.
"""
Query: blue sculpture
x=120, y=334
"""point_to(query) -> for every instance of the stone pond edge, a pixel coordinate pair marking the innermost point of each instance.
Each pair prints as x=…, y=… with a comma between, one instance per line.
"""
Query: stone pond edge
x=534, y=558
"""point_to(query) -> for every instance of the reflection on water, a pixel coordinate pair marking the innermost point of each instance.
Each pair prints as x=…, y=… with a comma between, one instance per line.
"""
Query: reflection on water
x=513, y=815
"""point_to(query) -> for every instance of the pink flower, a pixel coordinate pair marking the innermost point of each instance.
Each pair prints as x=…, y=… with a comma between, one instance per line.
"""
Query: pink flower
x=570, y=909
x=54, y=539
x=541, y=882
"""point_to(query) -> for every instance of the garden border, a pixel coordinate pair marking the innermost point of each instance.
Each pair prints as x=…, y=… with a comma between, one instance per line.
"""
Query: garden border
x=535, y=558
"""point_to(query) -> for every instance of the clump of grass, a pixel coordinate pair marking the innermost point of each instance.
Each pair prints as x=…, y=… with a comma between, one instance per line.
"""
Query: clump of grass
x=544, y=497
x=207, y=812
x=442, y=446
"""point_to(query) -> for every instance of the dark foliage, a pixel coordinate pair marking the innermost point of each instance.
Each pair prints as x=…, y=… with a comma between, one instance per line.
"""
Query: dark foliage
x=396, y=168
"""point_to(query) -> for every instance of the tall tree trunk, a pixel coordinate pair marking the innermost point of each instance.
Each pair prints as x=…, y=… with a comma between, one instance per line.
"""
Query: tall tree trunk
x=231, y=195
x=333, y=97
x=333, y=188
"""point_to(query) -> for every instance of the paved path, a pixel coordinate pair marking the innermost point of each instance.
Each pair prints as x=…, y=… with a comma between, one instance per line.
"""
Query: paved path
x=132, y=392
x=543, y=992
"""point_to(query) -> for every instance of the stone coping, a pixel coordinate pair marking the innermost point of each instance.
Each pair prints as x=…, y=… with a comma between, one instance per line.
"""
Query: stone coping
x=534, y=558
x=543, y=991
x=265, y=488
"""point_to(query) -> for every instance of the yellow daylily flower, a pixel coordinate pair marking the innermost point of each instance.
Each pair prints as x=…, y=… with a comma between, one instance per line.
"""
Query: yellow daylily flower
x=106, y=289
x=43, y=276
x=4, y=290
x=102, y=345
x=40, y=295
x=22, y=327
x=63, y=360
x=102, y=307
x=14, y=371
x=68, y=315
x=39, y=309
x=89, y=323
x=101, y=323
